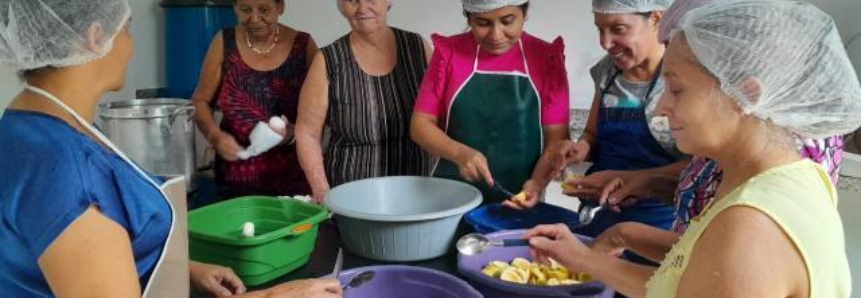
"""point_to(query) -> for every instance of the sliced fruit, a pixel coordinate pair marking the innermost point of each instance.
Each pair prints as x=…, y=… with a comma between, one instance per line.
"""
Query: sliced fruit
x=499, y=264
x=520, y=197
x=539, y=276
x=555, y=265
x=512, y=275
x=559, y=274
x=584, y=277
x=521, y=263
x=492, y=271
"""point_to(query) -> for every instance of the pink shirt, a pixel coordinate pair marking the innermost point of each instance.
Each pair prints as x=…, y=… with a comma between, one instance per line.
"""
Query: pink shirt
x=453, y=60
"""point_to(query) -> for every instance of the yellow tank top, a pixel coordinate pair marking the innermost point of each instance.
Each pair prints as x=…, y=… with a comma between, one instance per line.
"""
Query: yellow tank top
x=800, y=198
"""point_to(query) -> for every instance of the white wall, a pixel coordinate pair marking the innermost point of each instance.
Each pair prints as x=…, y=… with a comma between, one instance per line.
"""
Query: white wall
x=147, y=65
x=548, y=18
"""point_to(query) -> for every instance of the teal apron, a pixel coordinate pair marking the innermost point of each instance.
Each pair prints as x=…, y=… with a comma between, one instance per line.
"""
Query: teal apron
x=499, y=115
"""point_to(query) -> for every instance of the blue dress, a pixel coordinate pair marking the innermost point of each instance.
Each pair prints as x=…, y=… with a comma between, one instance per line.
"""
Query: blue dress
x=49, y=175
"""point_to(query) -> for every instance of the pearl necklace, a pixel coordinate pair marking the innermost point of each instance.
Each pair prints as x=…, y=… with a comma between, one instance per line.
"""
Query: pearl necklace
x=258, y=51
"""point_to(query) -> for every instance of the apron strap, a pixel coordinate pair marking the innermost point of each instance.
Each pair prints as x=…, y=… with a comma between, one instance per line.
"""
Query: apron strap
x=615, y=72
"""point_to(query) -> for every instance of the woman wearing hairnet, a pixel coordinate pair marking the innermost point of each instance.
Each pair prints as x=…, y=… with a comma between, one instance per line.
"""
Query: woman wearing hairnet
x=623, y=132
x=743, y=78
x=362, y=87
x=79, y=219
x=690, y=190
x=491, y=100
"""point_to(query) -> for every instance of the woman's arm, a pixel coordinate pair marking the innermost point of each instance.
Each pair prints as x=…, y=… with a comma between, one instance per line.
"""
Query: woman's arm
x=210, y=79
x=311, y=51
x=471, y=163
x=557, y=242
x=647, y=241
x=91, y=258
x=313, y=110
x=744, y=253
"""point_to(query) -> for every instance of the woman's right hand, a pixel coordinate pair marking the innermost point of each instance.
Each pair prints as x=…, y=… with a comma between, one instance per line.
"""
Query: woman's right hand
x=226, y=146
x=578, y=152
x=473, y=165
x=590, y=187
x=317, y=195
x=307, y=288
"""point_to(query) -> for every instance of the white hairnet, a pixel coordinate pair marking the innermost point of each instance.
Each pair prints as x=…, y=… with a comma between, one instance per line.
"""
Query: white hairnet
x=481, y=6
x=781, y=61
x=675, y=13
x=629, y=6
x=39, y=33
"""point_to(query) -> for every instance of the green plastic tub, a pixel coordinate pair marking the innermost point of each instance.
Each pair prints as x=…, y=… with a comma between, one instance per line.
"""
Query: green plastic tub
x=285, y=233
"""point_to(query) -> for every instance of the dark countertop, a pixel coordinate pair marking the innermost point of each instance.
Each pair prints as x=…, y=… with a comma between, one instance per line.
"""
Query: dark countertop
x=326, y=249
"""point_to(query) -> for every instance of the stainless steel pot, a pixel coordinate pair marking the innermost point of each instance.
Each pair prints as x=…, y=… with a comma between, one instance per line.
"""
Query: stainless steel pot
x=158, y=134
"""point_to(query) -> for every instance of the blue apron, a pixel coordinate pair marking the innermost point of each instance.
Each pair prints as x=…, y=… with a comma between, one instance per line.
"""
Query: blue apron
x=625, y=142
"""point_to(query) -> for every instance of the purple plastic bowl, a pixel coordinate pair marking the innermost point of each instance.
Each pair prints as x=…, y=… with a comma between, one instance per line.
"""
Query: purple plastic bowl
x=397, y=281
x=470, y=267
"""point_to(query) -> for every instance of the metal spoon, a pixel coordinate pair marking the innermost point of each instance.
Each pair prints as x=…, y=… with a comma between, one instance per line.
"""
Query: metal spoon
x=473, y=244
x=359, y=280
x=587, y=213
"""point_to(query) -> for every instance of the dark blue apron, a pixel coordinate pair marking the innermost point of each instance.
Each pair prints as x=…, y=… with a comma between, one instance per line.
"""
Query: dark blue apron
x=625, y=142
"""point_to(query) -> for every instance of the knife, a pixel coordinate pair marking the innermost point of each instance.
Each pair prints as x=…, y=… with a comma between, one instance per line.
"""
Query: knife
x=338, y=263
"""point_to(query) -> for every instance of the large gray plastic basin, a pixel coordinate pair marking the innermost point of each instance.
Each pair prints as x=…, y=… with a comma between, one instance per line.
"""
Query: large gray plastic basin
x=400, y=218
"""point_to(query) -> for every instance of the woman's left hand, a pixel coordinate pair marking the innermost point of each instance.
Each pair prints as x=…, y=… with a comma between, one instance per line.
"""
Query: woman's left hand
x=287, y=132
x=559, y=243
x=532, y=191
x=215, y=280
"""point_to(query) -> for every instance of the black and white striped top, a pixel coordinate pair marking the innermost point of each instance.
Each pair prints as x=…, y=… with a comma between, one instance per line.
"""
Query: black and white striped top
x=369, y=116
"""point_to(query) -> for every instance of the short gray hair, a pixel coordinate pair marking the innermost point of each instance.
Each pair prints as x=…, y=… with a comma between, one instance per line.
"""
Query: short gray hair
x=340, y=5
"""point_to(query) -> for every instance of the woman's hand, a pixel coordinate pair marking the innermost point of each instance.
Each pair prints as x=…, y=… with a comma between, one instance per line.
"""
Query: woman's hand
x=306, y=288
x=473, y=165
x=317, y=195
x=578, y=152
x=557, y=242
x=226, y=146
x=287, y=132
x=531, y=192
x=215, y=280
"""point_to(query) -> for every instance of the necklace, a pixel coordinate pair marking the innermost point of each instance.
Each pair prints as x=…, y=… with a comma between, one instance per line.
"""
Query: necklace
x=266, y=51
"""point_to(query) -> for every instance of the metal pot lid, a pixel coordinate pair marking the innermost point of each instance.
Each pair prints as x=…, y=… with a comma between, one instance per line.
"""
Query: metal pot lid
x=143, y=108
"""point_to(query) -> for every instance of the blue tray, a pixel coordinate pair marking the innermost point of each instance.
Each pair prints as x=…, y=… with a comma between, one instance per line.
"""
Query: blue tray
x=494, y=217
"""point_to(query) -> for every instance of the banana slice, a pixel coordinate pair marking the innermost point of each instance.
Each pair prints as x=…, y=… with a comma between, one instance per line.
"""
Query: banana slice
x=492, y=271
x=499, y=264
x=512, y=275
x=521, y=263
x=567, y=184
x=520, y=197
x=522, y=271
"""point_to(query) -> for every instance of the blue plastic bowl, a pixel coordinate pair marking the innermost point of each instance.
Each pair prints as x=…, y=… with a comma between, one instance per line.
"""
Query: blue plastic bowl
x=470, y=268
x=494, y=217
x=401, y=219
x=397, y=281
